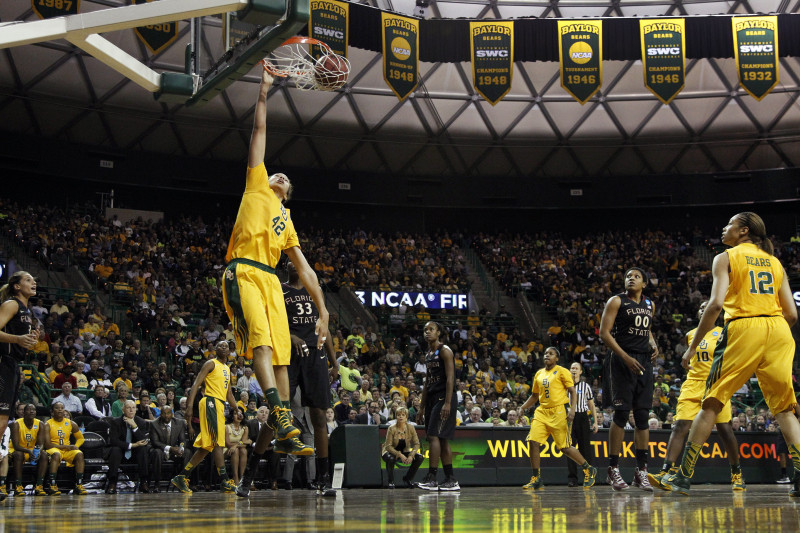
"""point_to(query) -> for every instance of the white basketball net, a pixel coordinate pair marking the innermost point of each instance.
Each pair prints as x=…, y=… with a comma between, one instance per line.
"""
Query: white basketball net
x=293, y=60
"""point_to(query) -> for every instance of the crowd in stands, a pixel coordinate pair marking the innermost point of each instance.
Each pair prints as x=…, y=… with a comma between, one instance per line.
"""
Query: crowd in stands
x=168, y=275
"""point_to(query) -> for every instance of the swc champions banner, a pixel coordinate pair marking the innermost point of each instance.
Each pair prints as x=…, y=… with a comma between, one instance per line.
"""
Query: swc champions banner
x=400, y=53
x=47, y=9
x=429, y=300
x=329, y=23
x=755, y=41
x=580, y=51
x=663, y=56
x=492, y=53
x=156, y=37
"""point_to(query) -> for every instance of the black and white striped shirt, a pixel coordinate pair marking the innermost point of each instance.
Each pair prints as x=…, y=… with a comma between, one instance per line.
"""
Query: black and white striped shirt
x=584, y=394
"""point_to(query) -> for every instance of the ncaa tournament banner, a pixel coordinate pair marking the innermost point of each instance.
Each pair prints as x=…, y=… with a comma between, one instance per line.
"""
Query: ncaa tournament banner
x=156, y=37
x=580, y=52
x=329, y=23
x=755, y=41
x=492, y=53
x=400, y=53
x=47, y=9
x=428, y=300
x=663, y=56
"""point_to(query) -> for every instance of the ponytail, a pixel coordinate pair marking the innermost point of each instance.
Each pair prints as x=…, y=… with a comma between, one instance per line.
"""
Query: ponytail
x=8, y=291
x=757, y=230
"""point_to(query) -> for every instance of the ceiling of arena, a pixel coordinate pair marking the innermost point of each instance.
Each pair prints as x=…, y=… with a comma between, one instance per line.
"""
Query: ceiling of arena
x=55, y=90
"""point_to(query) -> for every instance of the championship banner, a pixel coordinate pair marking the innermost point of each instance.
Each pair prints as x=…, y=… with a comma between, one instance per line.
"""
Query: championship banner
x=400, y=53
x=492, y=53
x=755, y=40
x=156, y=36
x=47, y=9
x=580, y=52
x=329, y=23
x=663, y=56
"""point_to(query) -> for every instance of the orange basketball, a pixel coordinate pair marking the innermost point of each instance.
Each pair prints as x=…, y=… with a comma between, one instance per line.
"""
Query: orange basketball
x=331, y=71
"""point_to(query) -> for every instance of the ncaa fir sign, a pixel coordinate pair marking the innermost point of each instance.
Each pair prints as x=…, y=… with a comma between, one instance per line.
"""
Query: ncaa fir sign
x=329, y=23
x=755, y=41
x=400, y=53
x=663, y=56
x=492, y=52
x=580, y=51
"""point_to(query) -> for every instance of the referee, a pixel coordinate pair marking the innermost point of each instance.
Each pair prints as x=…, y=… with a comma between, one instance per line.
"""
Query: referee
x=581, y=426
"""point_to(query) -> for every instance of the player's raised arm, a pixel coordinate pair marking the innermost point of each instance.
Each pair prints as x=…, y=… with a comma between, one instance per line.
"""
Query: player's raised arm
x=258, y=139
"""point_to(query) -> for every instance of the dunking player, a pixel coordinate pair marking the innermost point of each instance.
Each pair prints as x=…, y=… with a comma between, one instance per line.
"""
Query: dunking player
x=554, y=389
x=751, y=286
x=689, y=404
x=16, y=338
x=628, y=373
x=309, y=370
x=439, y=408
x=216, y=378
x=252, y=291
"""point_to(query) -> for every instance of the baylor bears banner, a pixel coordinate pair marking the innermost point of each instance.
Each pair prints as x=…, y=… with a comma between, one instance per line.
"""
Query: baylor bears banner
x=663, y=56
x=329, y=22
x=580, y=51
x=755, y=40
x=47, y=9
x=492, y=52
x=156, y=36
x=400, y=53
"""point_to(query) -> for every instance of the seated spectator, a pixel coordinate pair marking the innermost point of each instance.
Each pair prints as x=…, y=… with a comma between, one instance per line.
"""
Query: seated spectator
x=372, y=416
x=57, y=433
x=237, y=442
x=144, y=409
x=71, y=402
x=243, y=383
x=98, y=406
x=168, y=435
x=127, y=442
x=475, y=417
x=330, y=420
x=65, y=376
x=351, y=417
x=80, y=378
x=401, y=444
x=342, y=408
x=180, y=413
x=514, y=420
x=122, y=396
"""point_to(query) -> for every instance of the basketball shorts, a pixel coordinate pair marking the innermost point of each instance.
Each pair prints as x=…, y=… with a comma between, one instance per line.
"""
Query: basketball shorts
x=760, y=345
x=254, y=303
x=691, y=400
x=68, y=456
x=310, y=373
x=629, y=391
x=551, y=421
x=9, y=384
x=212, y=424
x=434, y=425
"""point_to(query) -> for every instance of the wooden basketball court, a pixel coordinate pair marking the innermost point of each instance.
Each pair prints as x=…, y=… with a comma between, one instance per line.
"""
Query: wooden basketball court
x=495, y=509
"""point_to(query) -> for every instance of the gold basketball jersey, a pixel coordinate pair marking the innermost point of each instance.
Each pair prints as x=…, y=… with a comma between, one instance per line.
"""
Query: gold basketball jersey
x=218, y=380
x=701, y=363
x=27, y=436
x=60, y=431
x=552, y=385
x=755, y=280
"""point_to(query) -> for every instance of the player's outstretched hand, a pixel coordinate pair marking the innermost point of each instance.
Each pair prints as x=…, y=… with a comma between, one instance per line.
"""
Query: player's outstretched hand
x=266, y=78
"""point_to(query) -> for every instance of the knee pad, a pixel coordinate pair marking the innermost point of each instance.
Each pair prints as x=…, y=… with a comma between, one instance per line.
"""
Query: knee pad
x=640, y=418
x=621, y=418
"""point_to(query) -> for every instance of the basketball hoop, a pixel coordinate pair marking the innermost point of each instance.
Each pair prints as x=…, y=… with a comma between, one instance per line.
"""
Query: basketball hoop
x=293, y=60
